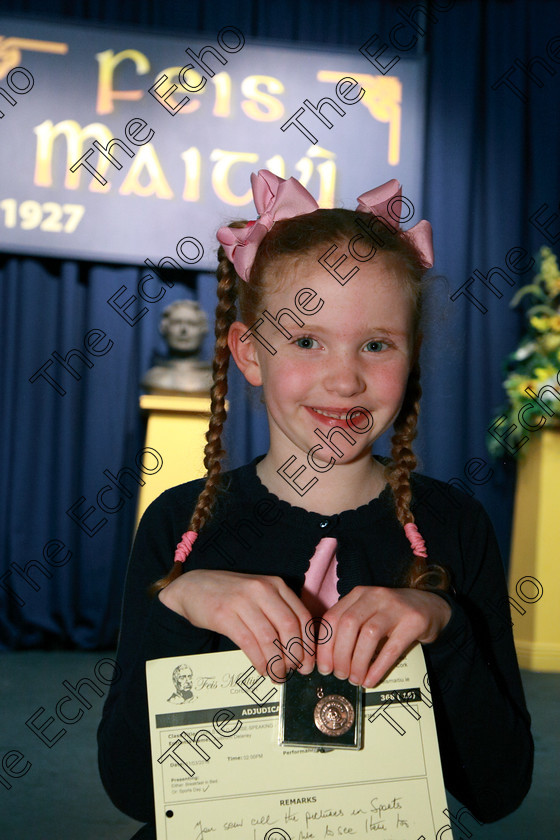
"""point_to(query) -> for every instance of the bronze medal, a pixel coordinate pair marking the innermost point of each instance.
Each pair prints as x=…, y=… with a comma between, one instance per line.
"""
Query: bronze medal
x=333, y=715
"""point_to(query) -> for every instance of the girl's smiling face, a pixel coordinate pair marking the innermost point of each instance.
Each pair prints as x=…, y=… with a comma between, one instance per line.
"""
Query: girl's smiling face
x=357, y=350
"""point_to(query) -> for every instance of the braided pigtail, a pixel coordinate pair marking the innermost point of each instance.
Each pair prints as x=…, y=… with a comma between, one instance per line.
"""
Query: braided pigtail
x=421, y=575
x=226, y=313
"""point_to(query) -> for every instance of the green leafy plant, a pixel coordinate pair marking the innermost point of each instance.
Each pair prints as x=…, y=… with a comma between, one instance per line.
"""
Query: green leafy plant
x=534, y=364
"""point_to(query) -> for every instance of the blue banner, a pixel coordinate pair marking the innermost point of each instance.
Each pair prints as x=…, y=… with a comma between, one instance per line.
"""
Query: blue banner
x=125, y=147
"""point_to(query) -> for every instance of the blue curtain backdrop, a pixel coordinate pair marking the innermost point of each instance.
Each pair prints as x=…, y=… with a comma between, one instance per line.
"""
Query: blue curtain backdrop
x=491, y=161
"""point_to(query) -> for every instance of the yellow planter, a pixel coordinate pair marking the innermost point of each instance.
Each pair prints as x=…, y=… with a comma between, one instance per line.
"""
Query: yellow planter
x=534, y=575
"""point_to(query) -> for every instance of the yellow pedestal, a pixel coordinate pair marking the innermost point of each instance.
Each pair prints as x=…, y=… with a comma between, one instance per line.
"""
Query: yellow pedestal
x=536, y=553
x=176, y=429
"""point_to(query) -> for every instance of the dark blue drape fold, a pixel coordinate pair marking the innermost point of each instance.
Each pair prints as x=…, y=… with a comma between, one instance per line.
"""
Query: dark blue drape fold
x=491, y=161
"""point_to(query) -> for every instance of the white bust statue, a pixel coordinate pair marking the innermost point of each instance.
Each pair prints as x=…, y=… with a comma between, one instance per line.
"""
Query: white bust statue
x=183, y=325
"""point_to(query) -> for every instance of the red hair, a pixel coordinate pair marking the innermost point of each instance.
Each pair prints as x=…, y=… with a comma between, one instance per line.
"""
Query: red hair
x=294, y=239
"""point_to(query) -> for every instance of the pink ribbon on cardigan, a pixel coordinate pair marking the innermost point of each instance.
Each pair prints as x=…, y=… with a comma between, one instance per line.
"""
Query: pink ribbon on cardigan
x=319, y=591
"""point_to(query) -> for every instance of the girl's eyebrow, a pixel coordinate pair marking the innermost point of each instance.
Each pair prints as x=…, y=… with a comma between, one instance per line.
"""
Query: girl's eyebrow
x=317, y=327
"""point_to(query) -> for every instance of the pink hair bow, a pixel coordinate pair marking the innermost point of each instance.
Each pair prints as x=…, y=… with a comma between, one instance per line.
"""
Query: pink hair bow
x=275, y=199
x=377, y=201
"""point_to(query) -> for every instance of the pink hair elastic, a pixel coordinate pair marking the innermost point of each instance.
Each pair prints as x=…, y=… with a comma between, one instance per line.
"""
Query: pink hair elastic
x=184, y=547
x=415, y=539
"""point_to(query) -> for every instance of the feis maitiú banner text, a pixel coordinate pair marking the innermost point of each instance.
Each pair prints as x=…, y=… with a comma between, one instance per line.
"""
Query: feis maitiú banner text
x=115, y=144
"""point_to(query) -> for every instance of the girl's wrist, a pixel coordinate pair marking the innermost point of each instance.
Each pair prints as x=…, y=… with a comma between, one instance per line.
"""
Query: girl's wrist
x=440, y=620
x=167, y=598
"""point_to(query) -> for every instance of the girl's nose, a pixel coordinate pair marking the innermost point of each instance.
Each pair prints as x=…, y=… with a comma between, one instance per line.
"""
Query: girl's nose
x=342, y=376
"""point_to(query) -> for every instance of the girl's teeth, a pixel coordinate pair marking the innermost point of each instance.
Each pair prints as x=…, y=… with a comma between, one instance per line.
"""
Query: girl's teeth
x=329, y=414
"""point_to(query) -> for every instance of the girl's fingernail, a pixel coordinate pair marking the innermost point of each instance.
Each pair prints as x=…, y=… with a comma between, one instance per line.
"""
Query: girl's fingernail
x=340, y=676
x=353, y=680
x=323, y=670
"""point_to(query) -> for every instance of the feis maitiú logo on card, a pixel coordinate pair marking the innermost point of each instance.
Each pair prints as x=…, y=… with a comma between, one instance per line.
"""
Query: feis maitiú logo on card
x=182, y=678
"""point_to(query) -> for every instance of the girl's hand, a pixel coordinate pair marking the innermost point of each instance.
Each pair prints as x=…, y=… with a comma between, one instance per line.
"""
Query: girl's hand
x=369, y=614
x=251, y=610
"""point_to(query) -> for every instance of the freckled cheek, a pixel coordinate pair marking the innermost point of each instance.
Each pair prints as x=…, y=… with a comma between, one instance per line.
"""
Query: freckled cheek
x=288, y=383
x=388, y=385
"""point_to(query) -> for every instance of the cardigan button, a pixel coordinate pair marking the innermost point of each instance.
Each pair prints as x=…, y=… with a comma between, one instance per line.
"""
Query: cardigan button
x=323, y=523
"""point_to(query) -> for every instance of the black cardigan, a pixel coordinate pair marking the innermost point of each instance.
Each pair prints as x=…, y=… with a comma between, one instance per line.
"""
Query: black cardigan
x=482, y=721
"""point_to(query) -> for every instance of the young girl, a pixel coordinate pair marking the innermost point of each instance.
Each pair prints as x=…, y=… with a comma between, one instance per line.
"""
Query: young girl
x=322, y=308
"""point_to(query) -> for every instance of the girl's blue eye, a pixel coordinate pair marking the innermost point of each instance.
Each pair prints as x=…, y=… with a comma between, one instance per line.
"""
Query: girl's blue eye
x=377, y=344
x=305, y=342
